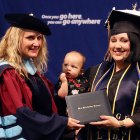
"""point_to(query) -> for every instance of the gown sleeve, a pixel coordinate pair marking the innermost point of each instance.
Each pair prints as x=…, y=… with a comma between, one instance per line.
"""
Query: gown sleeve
x=17, y=118
x=40, y=127
x=136, y=117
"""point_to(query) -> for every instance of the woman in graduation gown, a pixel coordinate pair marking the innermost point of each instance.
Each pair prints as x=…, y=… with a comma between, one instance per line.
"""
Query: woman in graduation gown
x=27, y=108
x=119, y=76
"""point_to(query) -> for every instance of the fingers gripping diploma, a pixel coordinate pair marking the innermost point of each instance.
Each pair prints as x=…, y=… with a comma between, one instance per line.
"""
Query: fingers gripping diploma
x=107, y=121
x=74, y=124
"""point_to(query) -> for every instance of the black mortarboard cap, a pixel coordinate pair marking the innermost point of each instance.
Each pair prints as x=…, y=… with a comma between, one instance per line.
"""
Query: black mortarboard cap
x=26, y=21
x=124, y=21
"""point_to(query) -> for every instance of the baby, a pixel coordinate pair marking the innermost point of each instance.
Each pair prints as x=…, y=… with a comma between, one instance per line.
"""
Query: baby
x=71, y=82
x=71, y=79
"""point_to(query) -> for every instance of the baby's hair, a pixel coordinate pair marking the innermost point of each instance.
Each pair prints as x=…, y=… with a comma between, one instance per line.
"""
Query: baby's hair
x=79, y=53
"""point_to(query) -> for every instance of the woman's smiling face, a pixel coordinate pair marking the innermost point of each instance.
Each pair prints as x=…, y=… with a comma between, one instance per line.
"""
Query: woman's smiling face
x=119, y=47
x=31, y=44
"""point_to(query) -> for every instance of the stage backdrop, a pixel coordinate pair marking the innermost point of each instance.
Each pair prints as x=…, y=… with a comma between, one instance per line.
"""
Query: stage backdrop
x=75, y=25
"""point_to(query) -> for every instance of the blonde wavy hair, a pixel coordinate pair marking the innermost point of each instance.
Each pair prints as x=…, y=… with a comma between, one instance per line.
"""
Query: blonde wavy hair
x=10, y=51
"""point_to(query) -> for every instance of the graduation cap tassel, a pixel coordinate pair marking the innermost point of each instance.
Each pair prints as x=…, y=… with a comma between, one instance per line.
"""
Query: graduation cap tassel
x=134, y=6
x=107, y=55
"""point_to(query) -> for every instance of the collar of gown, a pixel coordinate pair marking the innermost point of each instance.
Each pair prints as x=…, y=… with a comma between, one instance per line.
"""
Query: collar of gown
x=30, y=67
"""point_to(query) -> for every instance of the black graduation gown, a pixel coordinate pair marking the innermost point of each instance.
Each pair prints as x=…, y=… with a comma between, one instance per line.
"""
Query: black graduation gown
x=121, y=104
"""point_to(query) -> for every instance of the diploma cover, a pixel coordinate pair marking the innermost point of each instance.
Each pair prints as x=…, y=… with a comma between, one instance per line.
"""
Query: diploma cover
x=87, y=107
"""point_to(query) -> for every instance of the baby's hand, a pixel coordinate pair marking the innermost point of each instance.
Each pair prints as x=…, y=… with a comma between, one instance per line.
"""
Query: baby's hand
x=63, y=77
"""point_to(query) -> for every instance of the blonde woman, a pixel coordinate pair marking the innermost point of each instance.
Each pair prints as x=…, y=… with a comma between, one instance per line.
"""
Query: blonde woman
x=27, y=108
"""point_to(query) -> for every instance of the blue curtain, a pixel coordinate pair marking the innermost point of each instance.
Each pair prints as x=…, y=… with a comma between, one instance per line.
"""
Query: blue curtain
x=75, y=25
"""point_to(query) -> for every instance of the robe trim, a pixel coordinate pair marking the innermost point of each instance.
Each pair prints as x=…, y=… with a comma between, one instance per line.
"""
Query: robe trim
x=92, y=88
x=110, y=80
x=113, y=109
x=4, y=67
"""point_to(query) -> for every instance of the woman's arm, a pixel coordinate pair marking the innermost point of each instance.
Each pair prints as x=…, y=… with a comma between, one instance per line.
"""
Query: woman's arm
x=110, y=121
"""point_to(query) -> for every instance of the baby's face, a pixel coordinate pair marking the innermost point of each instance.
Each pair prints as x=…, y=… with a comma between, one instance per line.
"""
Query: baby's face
x=72, y=65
